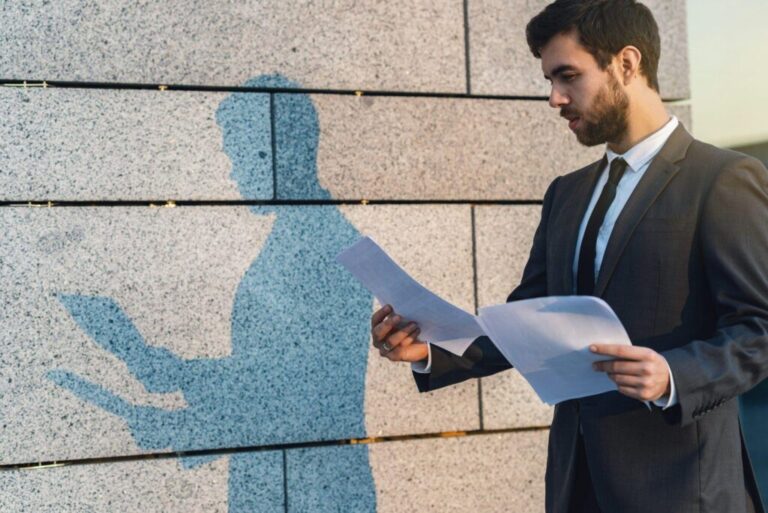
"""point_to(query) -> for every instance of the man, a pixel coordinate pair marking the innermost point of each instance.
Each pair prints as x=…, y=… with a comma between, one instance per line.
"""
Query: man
x=669, y=231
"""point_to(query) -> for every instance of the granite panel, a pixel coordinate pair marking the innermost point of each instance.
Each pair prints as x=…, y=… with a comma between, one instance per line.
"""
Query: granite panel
x=498, y=472
x=674, y=66
x=84, y=144
x=501, y=63
x=683, y=112
x=333, y=478
x=499, y=59
x=133, y=329
x=240, y=483
x=348, y=44
x=428, y=149
x=167, y=276
x=434, y=245
x=504, y=235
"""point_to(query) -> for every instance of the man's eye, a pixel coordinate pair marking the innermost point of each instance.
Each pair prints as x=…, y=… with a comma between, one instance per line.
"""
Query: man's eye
x=569, y=78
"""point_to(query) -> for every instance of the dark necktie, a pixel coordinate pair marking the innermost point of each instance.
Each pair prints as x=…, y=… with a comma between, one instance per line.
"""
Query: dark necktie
x=585, y=278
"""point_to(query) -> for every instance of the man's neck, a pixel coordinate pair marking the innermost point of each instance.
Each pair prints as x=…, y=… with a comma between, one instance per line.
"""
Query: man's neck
x=644, y=119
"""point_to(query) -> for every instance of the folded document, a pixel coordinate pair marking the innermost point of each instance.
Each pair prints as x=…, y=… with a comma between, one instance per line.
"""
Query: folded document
x=546, y=339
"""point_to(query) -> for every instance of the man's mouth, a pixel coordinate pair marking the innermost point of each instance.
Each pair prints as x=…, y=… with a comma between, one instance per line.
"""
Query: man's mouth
x=573, y=119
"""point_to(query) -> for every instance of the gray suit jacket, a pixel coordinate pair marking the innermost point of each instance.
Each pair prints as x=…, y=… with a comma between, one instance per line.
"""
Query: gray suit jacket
x=686, y=271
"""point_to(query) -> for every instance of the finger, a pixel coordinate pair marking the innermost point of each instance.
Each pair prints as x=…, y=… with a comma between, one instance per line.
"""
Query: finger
x=395, y=354
x=92, y=393
x=415, y=352
x=382, y=330
x=151, y=422
x=621, y=351
x=383, y=347
x=410, y=353
x=401, y=347
x=410, y=339
x=623, y=367
x=380, y=315
x=628, y=380
x=396, y=338
x=388, y=345
x=106, y=323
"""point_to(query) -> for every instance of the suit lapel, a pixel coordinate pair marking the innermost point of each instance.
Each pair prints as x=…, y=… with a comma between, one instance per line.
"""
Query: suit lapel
x=571, y=213
x=653, y=182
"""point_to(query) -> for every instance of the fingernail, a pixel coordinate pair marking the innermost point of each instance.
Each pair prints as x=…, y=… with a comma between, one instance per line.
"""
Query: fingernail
x=593, y=348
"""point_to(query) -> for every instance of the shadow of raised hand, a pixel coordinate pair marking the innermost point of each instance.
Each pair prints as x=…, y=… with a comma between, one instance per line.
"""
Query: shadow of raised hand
x=299, y=325
x=157, y=369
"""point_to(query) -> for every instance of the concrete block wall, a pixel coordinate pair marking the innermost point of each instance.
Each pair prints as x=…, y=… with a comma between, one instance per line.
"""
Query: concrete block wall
x=176, y=335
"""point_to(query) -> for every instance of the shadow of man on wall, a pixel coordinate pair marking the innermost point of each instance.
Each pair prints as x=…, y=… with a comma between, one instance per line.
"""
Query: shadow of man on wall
x=299, y=333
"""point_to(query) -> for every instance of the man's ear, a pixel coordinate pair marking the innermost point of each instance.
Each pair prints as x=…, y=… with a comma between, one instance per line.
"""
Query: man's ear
x=628, y=61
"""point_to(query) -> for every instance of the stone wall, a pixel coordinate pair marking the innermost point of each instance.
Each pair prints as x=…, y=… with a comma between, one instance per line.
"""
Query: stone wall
x=176, y=334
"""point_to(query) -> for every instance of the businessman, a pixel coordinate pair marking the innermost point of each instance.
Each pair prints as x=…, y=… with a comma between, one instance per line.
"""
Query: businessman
x=669, y=231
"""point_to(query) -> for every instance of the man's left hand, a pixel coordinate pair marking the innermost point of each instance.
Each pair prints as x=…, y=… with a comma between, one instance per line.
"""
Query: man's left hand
x=639, y=372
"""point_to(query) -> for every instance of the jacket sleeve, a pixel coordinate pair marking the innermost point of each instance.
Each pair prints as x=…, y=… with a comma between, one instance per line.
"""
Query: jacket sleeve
x=734, y=243
x=482, y=358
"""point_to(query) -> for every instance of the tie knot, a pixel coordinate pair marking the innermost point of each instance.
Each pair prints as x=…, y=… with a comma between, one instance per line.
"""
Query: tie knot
x=618, y=166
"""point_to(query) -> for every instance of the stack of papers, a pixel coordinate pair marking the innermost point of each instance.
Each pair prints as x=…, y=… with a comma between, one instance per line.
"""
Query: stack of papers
x=546, y=339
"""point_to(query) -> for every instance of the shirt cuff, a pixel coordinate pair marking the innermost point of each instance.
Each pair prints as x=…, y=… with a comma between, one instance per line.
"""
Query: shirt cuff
x=422, y=366
x=672, y=400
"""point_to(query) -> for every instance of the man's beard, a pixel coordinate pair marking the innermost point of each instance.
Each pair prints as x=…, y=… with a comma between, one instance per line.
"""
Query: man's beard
x=608, y=116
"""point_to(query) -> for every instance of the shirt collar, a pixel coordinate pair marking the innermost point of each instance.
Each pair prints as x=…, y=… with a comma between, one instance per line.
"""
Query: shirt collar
x=641, y=153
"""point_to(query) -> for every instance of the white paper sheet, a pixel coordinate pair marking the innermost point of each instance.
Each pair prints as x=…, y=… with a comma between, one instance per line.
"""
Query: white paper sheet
x=441, y=323
x=547, y=339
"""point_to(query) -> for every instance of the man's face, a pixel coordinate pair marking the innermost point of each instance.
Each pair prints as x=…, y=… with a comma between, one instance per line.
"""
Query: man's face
x=591, y=99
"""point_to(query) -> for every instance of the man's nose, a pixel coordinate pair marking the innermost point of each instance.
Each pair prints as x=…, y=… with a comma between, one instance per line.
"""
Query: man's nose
x=557, y=99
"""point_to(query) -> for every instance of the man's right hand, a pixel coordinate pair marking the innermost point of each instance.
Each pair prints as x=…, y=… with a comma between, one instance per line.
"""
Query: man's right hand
x=396, y=338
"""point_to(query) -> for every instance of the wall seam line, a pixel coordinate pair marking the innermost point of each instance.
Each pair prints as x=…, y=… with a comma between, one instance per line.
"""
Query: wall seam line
x=467, y=62
x=273, y=142
x=474, y=294
x=263, y=448
x=285, y=480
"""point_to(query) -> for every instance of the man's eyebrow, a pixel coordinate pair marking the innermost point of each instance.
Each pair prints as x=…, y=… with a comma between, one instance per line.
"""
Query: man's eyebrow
x=560, y=70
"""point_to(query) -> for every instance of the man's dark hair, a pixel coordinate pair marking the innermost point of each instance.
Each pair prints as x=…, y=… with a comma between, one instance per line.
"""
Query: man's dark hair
x=604, y=27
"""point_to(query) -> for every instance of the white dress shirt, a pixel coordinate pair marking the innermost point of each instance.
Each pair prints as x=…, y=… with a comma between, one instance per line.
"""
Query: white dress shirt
x=638, y=159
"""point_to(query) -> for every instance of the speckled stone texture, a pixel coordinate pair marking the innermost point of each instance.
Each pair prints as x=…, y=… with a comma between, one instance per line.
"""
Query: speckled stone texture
x=130, y=330
x=71, y=144
x=483, y=473
x=435, y=148
x=151, y=145
x=349, y=44
x=329, y=479
x=683, y=112
x=501, y=62
x=134, y=329
x=81, y=144
x=150, y=486
x=434, y=245
x=504, y=235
